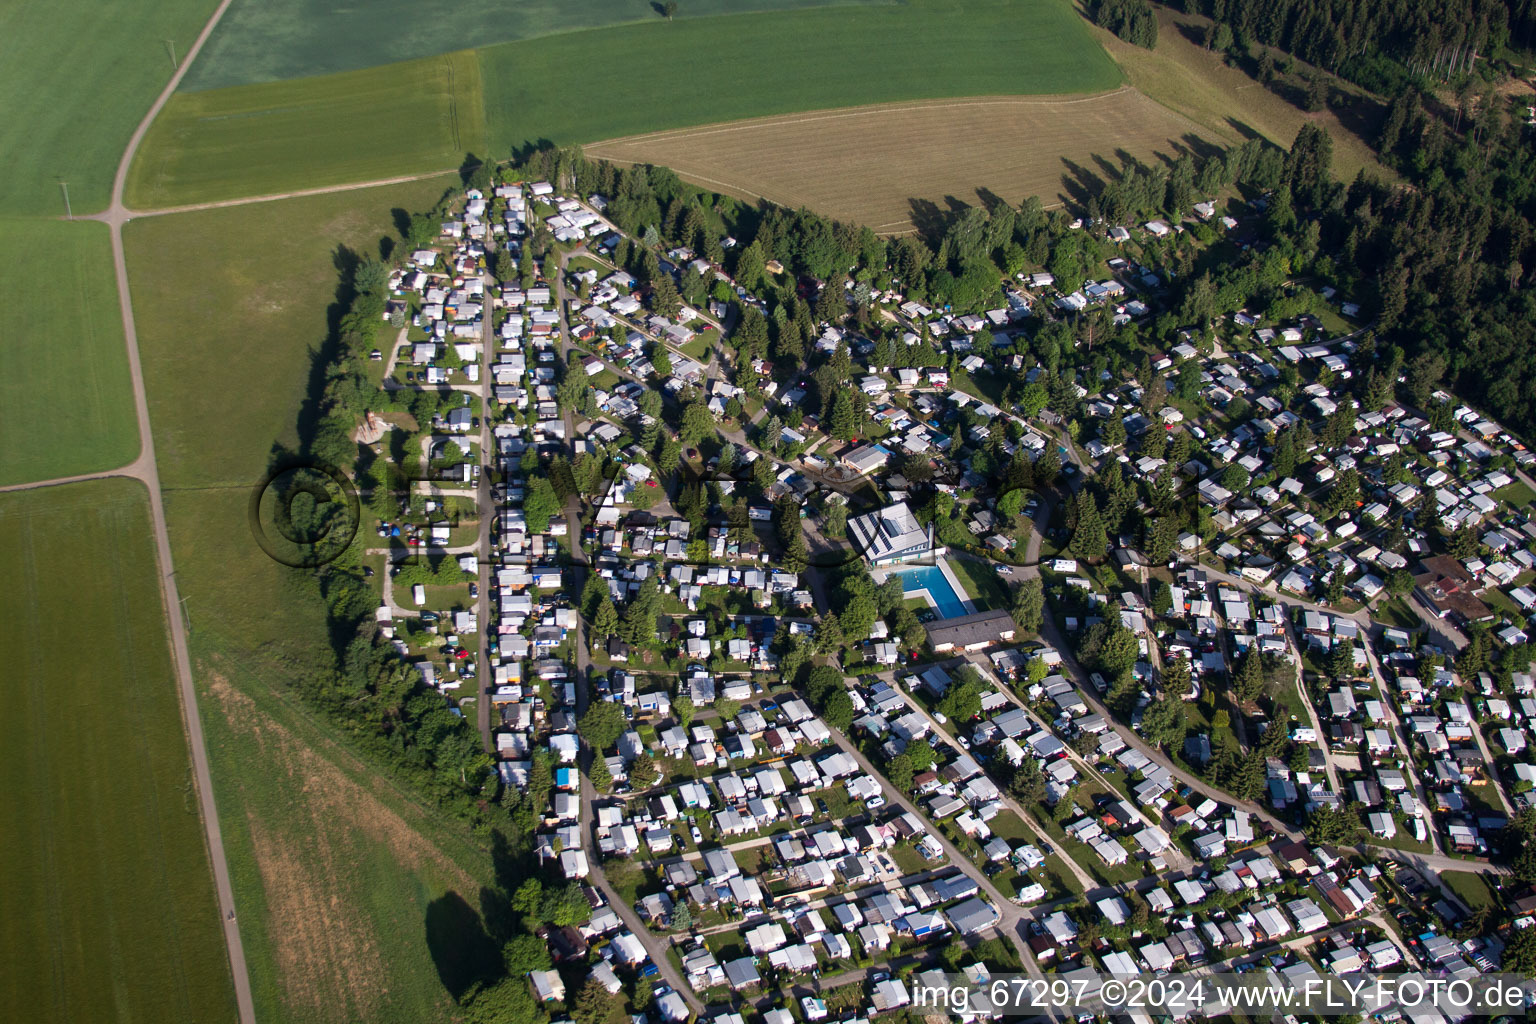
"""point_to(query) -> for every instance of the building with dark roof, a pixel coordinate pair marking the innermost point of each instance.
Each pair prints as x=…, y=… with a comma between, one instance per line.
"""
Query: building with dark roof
x=971, y=632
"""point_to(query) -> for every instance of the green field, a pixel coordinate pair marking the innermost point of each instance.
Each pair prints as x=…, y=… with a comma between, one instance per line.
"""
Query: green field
x=65, y=400
x=77, y=77
x=336, y=873
x=213, y=318
x=585, y=86
x=272, y=40
x=725, y=69
x=110, y=910
x=420, y=116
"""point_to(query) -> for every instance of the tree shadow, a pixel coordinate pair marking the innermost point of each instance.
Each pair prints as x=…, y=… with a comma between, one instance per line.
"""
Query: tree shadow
x=1192, y=32
x=462, y=951
x=1079, y=184
x=402, y=219
x=468, y=168
x=1204, y=149
x=522, y=152
x=1243, y=128
x=990, y=201
x=928, y=220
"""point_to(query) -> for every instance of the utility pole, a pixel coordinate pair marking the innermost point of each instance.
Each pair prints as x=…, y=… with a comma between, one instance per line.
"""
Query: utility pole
x=69, y=214
x=170, y=45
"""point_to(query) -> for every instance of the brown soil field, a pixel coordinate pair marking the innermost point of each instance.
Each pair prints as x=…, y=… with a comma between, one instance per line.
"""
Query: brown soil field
x=892, y=166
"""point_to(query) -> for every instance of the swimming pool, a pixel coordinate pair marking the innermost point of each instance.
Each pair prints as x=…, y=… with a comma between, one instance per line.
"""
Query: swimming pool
x=932, y=579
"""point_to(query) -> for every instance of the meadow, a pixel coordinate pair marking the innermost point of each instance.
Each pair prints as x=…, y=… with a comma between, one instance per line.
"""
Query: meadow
x=1225, y=101
x=226, y=330
x=77, y=77
x=111, y=914
x=585, y=86
x=273, y=40
x=420, y=116
x=889, y=166
x=65, y=399
x=336, y=873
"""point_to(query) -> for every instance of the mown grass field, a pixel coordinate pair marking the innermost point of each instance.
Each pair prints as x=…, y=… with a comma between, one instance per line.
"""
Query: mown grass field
x=273, y=40
x=584, y=86
x=890, y=166
x=335, y=871
x=77, y=77
x=66, y=404
x=110, y=911
x=410, y=118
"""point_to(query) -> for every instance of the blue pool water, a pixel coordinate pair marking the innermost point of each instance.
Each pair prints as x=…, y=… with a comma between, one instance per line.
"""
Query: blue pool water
x=933, y=580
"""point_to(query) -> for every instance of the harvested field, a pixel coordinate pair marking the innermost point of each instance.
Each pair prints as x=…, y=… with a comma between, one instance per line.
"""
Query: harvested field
x=891, y=166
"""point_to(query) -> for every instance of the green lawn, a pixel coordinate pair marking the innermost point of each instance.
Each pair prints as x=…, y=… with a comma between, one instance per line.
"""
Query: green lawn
x=601, y=83
x=77, y=77
x=981, y=582
x=110, y=910
x=409, y=118
x=65, y=399
x=346, y=885
x=1516, y=494
x=1471, y=888
x=318, y=38
x=213, y=317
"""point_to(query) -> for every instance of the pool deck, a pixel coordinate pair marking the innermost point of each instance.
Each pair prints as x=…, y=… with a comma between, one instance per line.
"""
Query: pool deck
x=942, y=564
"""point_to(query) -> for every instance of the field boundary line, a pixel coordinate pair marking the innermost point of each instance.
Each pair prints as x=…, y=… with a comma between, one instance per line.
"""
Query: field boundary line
x=221, y=204
x=129, y=471
x=839, y=113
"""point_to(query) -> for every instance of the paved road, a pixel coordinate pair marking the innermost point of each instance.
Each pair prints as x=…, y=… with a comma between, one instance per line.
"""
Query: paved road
x=1489, y=764
x=655, y=945
x=1041, y=836
x=485, y=506
x=1012, y=917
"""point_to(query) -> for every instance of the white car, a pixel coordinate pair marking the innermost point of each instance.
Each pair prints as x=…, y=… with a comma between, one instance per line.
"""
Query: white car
x=1004, y=570
x=698, y=837
x=874, y=803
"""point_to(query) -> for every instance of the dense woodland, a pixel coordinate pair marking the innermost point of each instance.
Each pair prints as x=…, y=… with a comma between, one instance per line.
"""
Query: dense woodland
x=1135, y=21
x=1377, y=42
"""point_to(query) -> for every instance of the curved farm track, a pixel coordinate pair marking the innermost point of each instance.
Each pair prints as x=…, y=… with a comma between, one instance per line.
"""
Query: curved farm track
x=893, y=165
